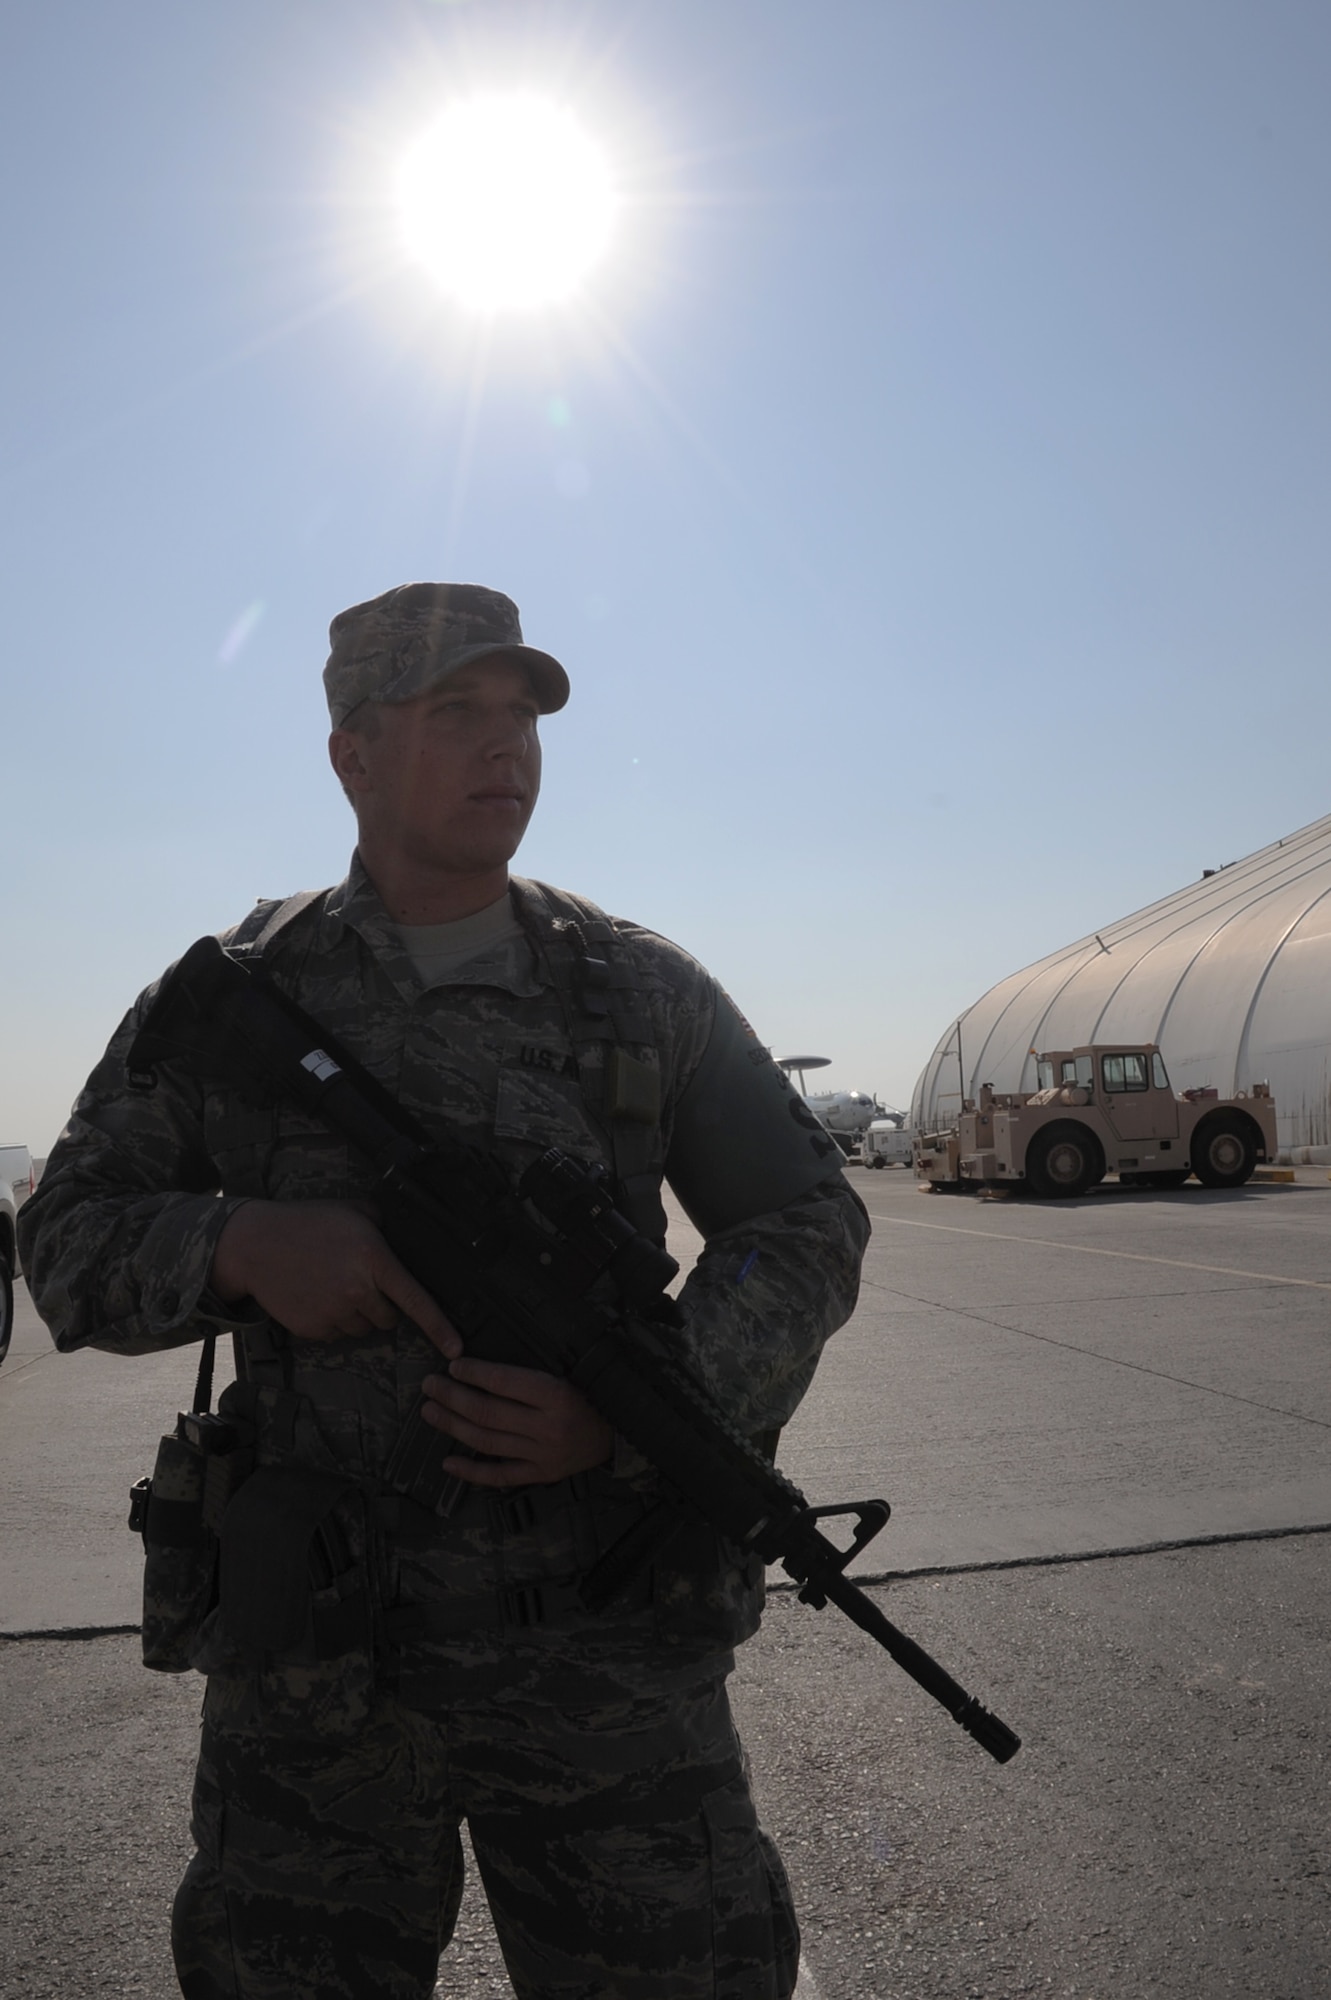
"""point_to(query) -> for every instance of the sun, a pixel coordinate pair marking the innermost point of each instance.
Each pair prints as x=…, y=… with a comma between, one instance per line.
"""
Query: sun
x=506, y=201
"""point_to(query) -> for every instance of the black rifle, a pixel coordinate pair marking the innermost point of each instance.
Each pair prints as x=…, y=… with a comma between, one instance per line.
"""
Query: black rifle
x=549, y=1274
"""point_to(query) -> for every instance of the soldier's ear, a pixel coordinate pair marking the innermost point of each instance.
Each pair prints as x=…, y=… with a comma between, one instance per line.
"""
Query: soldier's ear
x=344, y=754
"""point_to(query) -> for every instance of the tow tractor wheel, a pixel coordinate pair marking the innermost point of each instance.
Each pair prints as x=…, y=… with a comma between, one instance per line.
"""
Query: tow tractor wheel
x=1224, y=1150
x=1064, y=1160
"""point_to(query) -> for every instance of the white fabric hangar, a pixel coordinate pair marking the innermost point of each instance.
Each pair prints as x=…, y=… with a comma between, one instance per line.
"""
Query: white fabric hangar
x=1231, y=976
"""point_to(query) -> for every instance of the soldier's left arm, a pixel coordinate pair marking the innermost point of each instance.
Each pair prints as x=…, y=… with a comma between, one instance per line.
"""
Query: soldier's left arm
x=767, y=1293
x=762, y=1181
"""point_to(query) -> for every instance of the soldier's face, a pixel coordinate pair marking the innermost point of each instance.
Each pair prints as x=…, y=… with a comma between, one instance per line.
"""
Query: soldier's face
x=449, y=780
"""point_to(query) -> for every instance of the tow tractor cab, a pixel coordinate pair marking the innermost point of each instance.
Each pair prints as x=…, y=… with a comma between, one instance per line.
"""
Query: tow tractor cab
x=1101, y=1109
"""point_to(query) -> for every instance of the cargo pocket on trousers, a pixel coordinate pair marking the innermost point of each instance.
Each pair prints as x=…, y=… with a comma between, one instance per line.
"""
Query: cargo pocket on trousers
x=202, y=1945
x=207, y=1810
x=755, y=1938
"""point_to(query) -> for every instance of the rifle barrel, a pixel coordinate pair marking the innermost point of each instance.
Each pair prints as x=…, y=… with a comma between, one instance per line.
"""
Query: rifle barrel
x=989, y=1732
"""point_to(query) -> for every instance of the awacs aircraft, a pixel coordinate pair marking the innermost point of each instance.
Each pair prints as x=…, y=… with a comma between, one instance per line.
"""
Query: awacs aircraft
x=847, y=1114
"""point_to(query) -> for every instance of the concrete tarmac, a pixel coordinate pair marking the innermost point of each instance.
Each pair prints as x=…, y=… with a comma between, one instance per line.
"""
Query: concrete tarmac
x=1105, y=1428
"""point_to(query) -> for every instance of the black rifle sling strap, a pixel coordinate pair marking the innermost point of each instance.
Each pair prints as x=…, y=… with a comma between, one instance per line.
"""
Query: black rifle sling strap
x=203, y=1381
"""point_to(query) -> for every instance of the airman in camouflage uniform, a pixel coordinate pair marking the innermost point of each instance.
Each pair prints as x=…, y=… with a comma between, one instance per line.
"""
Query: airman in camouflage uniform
x=376, y=1673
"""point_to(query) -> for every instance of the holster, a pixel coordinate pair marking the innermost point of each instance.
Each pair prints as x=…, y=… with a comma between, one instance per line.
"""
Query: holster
x=293, y=1573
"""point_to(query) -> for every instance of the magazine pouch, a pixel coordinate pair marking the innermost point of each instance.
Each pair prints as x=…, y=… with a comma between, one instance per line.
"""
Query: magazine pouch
x=180, y=1553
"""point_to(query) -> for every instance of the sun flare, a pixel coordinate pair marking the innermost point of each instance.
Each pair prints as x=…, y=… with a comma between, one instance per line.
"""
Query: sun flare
x=506, y=201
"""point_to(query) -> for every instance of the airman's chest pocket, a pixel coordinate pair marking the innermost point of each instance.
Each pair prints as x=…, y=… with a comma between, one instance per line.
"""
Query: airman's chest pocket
x=274, y=1151
x=539, y=1100
x=240, y=1137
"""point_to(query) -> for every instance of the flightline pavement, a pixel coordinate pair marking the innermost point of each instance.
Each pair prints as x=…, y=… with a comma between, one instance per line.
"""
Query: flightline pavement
x=1105, y=1427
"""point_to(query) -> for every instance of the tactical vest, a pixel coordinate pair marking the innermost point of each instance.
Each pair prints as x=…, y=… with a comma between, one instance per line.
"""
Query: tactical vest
x=598, y=983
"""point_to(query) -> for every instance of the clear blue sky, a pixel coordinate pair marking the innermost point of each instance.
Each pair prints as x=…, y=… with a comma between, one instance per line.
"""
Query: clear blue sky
x=930, y=501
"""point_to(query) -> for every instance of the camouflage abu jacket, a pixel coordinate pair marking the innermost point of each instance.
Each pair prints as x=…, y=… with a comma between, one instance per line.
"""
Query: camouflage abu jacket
x=117, y=1243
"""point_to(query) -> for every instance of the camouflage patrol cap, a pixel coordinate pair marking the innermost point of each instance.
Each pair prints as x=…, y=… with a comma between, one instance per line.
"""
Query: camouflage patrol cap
x=396, y=646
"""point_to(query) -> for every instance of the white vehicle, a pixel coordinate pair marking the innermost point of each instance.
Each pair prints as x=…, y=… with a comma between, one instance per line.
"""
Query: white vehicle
x=15, y=1187
x=887, y=1143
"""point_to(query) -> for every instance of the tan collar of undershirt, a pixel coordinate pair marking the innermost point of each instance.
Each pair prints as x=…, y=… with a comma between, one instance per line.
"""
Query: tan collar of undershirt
x=438, y=950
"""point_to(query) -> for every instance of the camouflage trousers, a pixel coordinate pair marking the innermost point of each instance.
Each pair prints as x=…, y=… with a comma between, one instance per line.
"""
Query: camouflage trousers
x=618, y=1846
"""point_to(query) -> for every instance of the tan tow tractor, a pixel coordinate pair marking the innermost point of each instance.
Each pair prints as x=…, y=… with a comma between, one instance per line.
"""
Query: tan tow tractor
x=1105, y=1108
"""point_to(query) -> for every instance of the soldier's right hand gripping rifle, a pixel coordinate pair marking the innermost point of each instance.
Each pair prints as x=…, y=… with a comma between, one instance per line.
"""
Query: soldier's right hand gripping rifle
x=549, y=1274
